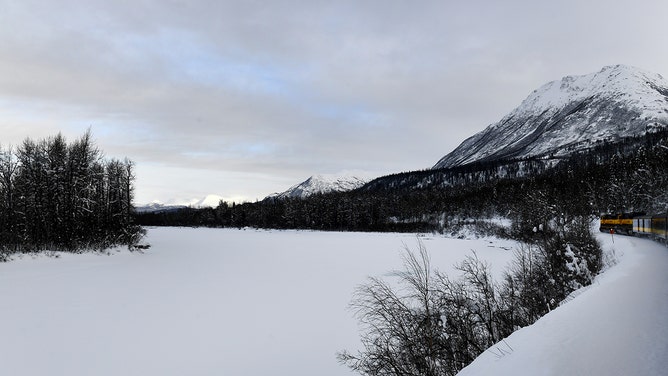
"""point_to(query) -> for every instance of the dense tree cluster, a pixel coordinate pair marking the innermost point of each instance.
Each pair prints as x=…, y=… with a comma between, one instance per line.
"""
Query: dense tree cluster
x=57, y=195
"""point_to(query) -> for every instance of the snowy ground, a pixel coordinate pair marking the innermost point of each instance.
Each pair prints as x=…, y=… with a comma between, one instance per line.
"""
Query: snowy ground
x=617, y=326
x=203, y=302
x=230, y=302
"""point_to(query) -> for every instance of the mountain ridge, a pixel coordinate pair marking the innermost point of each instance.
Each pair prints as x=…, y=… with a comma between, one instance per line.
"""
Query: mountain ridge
x=319, y=184
x=569, y=115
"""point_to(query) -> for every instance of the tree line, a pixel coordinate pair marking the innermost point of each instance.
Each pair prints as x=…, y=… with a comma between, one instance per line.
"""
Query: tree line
x=56, y=195
x=624, y=176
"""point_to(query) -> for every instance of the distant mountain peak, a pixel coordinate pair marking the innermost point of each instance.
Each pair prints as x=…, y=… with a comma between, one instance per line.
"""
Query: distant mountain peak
x=318, y=184
x=209, y=201
x=571, y=114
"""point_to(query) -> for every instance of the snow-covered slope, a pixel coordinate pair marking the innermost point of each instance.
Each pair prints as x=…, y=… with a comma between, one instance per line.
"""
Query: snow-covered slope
x=322, y=184
x=617, y=326
x=572, y=114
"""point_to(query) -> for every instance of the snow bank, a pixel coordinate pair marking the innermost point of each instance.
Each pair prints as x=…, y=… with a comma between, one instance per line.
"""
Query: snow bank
x=617, y=326
x=203, y=302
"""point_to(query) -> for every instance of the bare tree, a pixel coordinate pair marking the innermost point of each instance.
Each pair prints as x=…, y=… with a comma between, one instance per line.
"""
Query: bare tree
x=424, y=323
x=403, y=332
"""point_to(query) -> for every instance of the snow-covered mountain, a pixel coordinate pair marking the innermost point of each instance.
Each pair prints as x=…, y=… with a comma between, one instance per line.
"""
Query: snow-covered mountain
x=157, y=206
x=321, y=184
x=210, y=201
x=572, y=114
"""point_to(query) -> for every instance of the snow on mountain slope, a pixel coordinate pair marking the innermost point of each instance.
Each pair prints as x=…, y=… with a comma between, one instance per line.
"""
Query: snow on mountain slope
x=572, y=114
x=322, y=184
x=617, y=326
x=210, y=201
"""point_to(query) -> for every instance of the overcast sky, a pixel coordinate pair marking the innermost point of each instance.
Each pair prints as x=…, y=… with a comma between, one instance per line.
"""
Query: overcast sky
x=246, y=98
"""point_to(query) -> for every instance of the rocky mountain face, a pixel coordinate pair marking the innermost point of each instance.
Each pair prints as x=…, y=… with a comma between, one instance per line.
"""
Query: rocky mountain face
x=570, y=115
x=318, y=184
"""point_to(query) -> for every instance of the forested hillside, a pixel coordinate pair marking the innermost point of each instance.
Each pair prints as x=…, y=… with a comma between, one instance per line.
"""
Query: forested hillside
x=626, y=176
x=56, y=195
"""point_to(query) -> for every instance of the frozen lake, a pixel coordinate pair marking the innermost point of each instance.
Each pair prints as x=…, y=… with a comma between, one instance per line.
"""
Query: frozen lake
x=204, y=302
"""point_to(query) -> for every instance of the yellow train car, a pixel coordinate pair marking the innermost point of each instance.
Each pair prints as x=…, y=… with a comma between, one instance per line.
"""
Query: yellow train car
x=620, y=223
x=642, y=224
x=654, y=226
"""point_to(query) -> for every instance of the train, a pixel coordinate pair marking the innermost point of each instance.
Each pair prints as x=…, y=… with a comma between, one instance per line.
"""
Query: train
x=638, y=224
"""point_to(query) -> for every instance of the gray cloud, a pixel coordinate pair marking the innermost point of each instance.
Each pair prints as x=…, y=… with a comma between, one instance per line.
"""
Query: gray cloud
x=245, y=98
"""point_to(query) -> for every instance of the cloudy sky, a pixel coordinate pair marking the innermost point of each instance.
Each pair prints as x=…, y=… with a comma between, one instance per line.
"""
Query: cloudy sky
x=246, y=98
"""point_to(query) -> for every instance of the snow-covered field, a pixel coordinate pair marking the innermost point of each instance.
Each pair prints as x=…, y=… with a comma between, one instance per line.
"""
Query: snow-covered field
x=232, y=302
x=203, y=302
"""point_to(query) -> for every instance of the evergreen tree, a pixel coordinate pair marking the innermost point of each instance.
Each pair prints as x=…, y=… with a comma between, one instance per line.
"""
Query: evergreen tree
x=60, y=196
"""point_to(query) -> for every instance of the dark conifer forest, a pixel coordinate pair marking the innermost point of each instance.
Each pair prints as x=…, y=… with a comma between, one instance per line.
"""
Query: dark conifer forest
x=630, y=175
x=65, y=196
